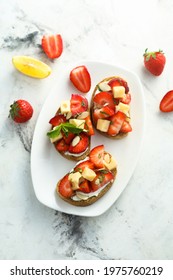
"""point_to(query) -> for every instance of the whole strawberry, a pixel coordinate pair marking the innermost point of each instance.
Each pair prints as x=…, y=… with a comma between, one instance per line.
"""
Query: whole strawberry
x=154, y=62
x=21, y=111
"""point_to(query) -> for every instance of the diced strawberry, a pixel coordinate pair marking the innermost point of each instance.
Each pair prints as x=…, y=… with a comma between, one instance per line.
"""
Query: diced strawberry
x=81, y=166
x=88, y=126
x=68, y=138
x=104, y=98
x=126, y=127
x=103, y=113
x=119, y=82
x=81, y=79
x=62, y=146
x=52, y=45
x=57, y=120
x=102, y=178
x=116, y=123
x=81, y=146
x=65, y=188
x=78, y=104
x=96, y=156
x=84, y=186
x=126, y=99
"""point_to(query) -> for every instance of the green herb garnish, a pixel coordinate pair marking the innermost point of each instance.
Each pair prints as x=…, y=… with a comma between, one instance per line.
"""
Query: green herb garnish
x=104, y=113
x=66, y=128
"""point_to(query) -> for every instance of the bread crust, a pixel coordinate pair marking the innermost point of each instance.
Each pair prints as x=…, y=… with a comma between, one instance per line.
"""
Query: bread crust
x=120, y=135
x=72, y=157
x=90, y=200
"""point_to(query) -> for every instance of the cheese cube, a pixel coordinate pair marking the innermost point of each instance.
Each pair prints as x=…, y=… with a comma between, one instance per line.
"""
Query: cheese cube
x=88, y=174
x=52, y=140
x=77, y=123
x=125, y=108
x=65, y=107
x=103, y=125
x=74, y=179
x=109, y=162
x=118, y=91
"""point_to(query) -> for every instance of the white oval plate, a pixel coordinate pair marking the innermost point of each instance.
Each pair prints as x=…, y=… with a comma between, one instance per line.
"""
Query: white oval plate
x=48, y=167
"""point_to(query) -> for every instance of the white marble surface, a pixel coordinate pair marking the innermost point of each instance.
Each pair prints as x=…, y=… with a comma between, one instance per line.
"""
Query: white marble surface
x=140, y=224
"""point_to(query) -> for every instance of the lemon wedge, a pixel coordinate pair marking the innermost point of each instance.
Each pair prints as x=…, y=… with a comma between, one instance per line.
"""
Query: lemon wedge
x=31, y=67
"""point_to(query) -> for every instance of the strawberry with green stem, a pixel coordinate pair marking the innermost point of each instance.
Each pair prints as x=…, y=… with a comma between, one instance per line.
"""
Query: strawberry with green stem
x=154, y=62
x=21, y=111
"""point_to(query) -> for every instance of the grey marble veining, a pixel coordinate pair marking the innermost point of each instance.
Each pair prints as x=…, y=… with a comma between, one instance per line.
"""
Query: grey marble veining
x=139, y=225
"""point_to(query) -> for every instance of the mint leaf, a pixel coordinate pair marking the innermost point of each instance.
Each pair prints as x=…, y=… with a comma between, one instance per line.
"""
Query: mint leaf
x=66, y=128
x=54, y=132
x=72, y=128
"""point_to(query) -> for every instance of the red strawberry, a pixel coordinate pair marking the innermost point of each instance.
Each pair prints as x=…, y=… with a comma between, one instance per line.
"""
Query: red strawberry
x=57, y=120
x=104, y=98
x=21, y=111
x=119, y=82
x=126, y=127
x=103, y=177
x=103, y=113
x=52, y=45
x=81, y=166
x=62, y=146
x=78, y=104
x=166, y=104
x=96, y=156
x=154, y=62
x=81, y=79
x=126, y=99
x=84, y=186
x=116, y=123
x=88, y=126
x=81, y=146
x=69, y=137
x=65, y=188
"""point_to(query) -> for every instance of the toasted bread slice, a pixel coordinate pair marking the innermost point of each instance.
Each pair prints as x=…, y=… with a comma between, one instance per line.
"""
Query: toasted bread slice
x=68, y=148
x=89, y=200
x=93, y=106
x=98, y=186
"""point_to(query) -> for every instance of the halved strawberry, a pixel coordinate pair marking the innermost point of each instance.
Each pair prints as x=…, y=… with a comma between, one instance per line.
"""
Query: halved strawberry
x=119, y=82
x=126, y=99
x=81, y=146
x=57, y=120
x=116, y=123
x=80, y=78
x=103, y=177
x=104, y=98
x=62, y=146
x=52, y=45
x=65, y=188
x=81, y=166
x=88, y=126
x=166, y=104
x=126, y=127
x=103, y=113
x=97, y=155
x=84, y=186
x=78, y=104
x=69, y=137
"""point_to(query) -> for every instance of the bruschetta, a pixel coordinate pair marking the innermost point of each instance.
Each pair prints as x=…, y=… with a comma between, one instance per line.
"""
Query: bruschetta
x=90, y=179
x=110, y=107
x=71, y=128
